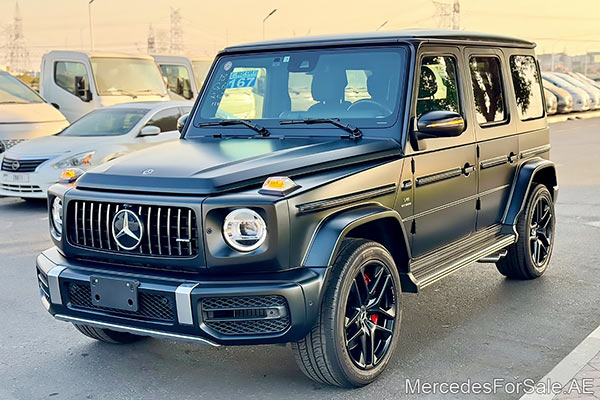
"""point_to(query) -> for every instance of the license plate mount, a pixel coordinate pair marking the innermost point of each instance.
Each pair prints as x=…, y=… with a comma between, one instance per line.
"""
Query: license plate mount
x=120, y=294
x=13, y=177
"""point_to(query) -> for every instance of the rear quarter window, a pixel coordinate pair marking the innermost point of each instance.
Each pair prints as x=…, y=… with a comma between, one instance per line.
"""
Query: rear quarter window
x=528, y=89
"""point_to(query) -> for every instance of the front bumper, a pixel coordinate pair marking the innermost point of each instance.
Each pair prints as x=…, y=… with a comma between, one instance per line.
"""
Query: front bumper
x=188, y=308
x=34, y=185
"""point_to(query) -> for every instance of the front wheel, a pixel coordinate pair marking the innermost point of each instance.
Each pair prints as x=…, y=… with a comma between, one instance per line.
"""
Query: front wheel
x=528, y=258
x=357, y=331
x=108, y=335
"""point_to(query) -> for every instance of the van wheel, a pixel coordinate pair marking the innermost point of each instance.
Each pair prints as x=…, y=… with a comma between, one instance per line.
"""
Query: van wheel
x=107, y=335
x=357, y=330
x=528, y=258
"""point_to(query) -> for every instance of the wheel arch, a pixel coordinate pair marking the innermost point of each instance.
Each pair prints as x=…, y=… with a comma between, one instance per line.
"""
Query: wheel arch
x=532, y=172
x=373, y=222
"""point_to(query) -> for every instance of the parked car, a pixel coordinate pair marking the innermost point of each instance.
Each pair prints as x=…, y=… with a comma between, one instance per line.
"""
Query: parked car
x=593, y=92
x=30, y=168
x=179, y=74
x=585, y=79
x=78, y=82
x=306, y=223
x=581, y=100
x=24, y=114
x=565, y=100
x=551, y=102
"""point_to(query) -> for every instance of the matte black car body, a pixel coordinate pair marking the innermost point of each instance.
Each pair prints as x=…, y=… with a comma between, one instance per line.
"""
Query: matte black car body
x=436, y=204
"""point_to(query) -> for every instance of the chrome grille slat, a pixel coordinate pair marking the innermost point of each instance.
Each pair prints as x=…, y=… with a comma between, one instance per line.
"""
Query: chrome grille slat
x=91, y=223
x=179, y=229
x=167, y=229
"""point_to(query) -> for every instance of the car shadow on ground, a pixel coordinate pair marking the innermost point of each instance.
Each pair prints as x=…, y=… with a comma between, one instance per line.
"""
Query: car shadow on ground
x=15, y=204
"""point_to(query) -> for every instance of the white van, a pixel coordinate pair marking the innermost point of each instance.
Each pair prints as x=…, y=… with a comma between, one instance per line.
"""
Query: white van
x=179, y=74
x=77, y=82
x=24, y=114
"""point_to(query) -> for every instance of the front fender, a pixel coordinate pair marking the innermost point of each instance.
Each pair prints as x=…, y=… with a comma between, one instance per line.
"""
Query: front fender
x=522, y=183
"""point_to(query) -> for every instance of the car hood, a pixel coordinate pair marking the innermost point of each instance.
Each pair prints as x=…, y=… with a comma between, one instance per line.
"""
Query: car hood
x=58, y=145
x=206, y=165
x=29, y=113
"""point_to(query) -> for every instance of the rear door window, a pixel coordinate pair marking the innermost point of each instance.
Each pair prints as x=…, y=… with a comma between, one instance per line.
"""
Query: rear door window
x=528, y=88
x=166, y=120
x=488, y=93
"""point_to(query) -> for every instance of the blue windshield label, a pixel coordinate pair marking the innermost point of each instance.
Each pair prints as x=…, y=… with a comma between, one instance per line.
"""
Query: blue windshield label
x=242, y=79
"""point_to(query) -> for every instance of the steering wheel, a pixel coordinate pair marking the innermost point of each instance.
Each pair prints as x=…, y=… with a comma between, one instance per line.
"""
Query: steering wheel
x=367, y=105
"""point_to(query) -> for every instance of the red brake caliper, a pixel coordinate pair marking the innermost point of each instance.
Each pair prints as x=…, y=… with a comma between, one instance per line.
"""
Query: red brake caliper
x=374, y=317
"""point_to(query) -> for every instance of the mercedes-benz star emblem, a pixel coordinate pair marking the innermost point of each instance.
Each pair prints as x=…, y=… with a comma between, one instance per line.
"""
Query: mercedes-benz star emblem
x=127, y=229
x=15, y=165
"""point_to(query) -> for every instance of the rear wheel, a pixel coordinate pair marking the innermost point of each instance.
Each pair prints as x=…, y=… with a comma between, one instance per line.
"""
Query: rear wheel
x=528, y=258
x=357, y=330
x=107, y=335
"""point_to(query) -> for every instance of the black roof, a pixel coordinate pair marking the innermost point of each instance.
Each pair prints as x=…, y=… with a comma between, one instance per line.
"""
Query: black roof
x=414, y=35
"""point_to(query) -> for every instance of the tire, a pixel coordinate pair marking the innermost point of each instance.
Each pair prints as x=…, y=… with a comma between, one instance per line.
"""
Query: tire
x=107, y=335
x=324, y=354
x=529, y=256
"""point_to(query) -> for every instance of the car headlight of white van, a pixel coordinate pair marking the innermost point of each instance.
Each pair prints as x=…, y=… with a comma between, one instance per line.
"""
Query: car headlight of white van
x=244, y=230
x=78, y=160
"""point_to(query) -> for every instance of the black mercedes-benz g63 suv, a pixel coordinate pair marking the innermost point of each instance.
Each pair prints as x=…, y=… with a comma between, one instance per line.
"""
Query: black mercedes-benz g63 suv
x=316, y=180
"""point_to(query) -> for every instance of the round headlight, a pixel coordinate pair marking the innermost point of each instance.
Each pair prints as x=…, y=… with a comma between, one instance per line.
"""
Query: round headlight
x=244, y=230
x=57, y=211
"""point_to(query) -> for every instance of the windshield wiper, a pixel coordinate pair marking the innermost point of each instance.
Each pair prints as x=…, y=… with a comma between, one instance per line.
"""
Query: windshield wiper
x=354, y=131
x=258, y=128
x=113, y=91
x=150, y=92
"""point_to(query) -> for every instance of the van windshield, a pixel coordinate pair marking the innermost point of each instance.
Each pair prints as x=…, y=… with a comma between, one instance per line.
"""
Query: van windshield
x=127, y=76
x=362, y=86
x=105, y=122
x=13, y=91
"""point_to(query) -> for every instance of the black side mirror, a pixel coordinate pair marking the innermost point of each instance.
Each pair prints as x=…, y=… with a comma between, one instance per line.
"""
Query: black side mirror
x=440, y=124
x=181, y=122
x=82, y=90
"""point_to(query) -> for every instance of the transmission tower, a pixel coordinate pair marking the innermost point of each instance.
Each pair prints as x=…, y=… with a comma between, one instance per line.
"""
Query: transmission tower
x=447, y=15
x=17, y=56
x=151, y=48
x=176, y=42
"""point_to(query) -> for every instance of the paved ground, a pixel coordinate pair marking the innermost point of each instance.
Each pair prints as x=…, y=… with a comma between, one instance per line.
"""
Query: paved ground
x=473, y=325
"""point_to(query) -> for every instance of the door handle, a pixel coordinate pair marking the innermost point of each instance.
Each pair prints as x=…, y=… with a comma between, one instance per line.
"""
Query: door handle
x=512, y=157
x=468, y=169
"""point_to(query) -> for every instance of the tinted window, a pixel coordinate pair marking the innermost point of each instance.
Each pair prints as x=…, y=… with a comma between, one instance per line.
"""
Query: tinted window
x=360, y=84
x=166, y=120
x=66, y=74
x=437, y=85
x=178, y=80
x=105, y=122
x=487, y=89
x=526, y=81
x=12, y=90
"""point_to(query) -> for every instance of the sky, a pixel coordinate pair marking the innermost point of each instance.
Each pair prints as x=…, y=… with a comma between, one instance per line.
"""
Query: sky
x=208, y=26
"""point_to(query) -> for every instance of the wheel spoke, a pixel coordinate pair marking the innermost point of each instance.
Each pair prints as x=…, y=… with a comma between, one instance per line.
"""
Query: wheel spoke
x=350, y=321
x=538, y=252
x=387, y=314
x=365, y=286
x=352, y=342
x=378, y=276
x=387, y=332
x=357, y=291
x=384, y=286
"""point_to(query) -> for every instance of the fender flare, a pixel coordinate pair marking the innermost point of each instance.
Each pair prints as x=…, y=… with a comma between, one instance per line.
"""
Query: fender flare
x=521, y=187
x=329, y=234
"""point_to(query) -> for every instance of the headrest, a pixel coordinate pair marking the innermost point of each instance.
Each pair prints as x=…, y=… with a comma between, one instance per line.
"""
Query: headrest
x=377, y=85
x=329, y=86
x=428, y=85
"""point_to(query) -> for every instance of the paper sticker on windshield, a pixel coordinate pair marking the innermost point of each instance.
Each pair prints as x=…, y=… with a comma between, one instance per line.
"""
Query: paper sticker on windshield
x=227, y=65
x=242, y=79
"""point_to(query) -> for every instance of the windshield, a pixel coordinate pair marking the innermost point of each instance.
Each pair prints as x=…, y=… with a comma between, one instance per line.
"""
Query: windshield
x=201, y=68
x=105, y=122
x=127, y=76
x=12, y=90
x=359, y=86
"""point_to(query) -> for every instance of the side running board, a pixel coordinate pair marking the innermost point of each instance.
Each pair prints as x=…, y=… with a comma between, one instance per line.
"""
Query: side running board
x=489, y=253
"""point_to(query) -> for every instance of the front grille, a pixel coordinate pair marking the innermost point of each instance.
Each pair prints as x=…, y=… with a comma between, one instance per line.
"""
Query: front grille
x=9, y=164
x=43, y=284
x=9, y=187
x=167, y=231
x=150, y=305
x=246, y=315
x=8, y=143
